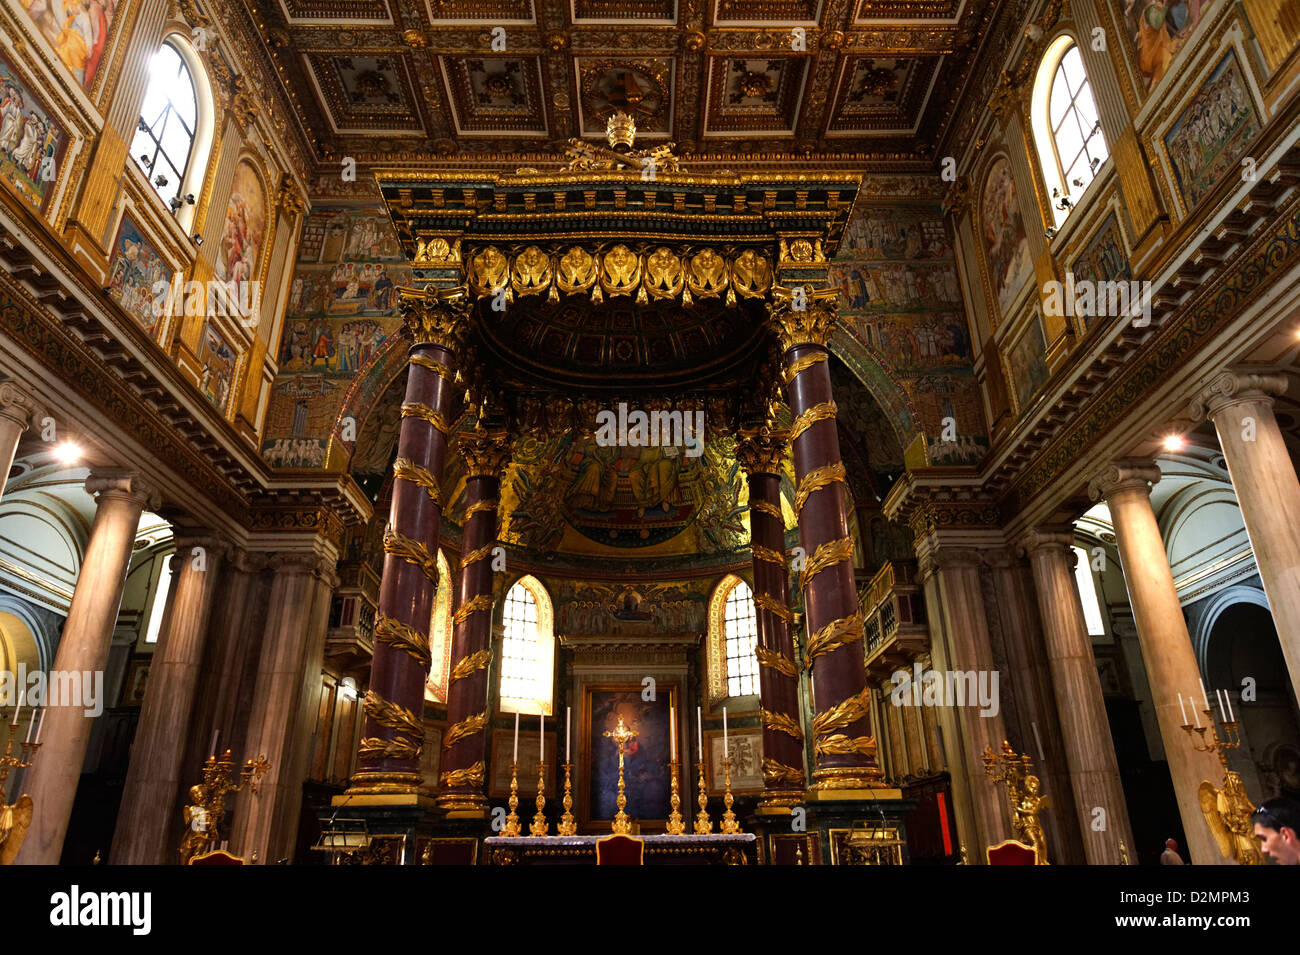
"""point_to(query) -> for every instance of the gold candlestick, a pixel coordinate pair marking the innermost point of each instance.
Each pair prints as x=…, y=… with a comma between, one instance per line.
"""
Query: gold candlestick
x=15, y=818
x=539, y=826
x=621, y=735
x=730, y=824
x=676, y=826
x=703, y=825
x=512, y=820
x=1227, y=808
x=567, y=825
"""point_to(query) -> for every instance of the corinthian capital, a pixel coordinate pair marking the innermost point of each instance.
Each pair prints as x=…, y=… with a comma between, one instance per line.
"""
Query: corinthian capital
x=486, y=452
x=1232, y=386
x=1123, y=475
x=803, y=315
x=762, y=450
x=435, y=316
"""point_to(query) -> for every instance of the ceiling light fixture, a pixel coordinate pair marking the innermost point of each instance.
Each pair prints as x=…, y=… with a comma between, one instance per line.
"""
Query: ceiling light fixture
x=68, y=452
x=1175, y=442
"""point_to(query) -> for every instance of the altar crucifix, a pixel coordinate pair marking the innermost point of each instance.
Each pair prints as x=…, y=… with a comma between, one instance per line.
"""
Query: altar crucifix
x=621, y=735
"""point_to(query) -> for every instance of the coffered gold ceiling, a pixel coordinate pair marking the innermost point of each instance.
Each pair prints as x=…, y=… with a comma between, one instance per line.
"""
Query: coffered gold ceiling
x=393, y=80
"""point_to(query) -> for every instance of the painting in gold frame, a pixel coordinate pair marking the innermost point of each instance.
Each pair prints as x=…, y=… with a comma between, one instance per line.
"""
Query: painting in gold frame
x=646, y=774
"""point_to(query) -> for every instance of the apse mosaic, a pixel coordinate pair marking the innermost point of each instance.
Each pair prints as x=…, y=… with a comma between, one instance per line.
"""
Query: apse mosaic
x=1213, y=131
x=78, y=30
x=32, y=142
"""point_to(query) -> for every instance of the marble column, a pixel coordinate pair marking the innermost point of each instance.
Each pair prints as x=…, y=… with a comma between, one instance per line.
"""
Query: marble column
x=285, y=703
x=465, y=743
x=388, y=758
x=844, y=748
x=967, y=648
x=1264, y=478
x=120, y=498
x=761, y=453
x=1162, y=631
x=1028, y=681
x=16, y=411
x=145, y=820
x=1089, y=750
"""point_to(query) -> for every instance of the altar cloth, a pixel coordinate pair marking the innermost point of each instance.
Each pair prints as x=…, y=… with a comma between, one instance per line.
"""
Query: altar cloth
x=660, y=849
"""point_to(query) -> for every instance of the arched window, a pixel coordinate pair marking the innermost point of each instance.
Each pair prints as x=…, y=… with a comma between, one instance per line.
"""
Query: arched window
x=440, y=636
x=1067, y=126
x=527, y=649
x=733, y=637
x=175, y=129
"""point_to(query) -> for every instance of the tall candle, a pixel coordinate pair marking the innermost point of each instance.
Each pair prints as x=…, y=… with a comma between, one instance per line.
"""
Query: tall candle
x=699, y=731
x=1182, y=708
x=1204, y=696
x=516, y=756
x=1195, y=716
x=17, y=707
x=216, y=734
x=41, y=725
x=1227, y=695
x=541, y=737
x=568, y=732
x=672, y=733
x=30, y=723
x=1218, y=695
x=726, y=754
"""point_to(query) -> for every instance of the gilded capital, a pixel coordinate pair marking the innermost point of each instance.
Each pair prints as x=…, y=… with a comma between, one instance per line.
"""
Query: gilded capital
x=1233, y=386
x=435, y=316
x=762, y=450
x=1121, y=476
x=486, y=452
x=803, y=315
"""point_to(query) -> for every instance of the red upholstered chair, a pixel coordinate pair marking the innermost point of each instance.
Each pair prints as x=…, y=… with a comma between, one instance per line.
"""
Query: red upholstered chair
x=1011, y=852
x=217, y=857
x=620, y=850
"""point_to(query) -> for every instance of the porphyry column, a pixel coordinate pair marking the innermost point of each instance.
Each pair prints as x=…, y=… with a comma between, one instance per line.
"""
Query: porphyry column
x=1162, y=632
x=120, y=498
x=843, y=746
x=389, y=754
x=1089, y=750
x=465, y=744
x=1241, y=406
x=761, y=453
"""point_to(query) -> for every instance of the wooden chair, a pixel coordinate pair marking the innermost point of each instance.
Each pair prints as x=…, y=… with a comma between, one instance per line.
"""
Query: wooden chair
x=1011, y=852
x=620, y=850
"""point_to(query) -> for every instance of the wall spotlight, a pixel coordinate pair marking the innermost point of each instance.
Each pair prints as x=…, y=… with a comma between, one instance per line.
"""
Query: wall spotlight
x=198, y=239
x=1050, y=232
x=160, y=180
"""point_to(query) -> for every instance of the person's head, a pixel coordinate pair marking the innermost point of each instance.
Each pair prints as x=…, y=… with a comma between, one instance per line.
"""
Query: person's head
x=1171, y=845
x=1277, y=824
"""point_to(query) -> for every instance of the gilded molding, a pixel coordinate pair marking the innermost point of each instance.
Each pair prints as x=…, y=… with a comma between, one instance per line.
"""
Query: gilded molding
x=782, y=723
x=400, y=636
x=815, y=480
x=392, y=715
x=829, y=638
x=411, y=551
x=404, y=469
x=827, y=555
x=465, y=728
x=470, y=664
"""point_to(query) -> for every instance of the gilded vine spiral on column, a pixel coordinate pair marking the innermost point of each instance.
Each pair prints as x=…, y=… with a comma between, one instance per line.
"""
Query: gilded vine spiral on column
x=781, y=722
x=827, y=554
x=842, y=714
x=417, y=409
x=372, y=747
x=474, y=556
x=394, y=716
x=803, y=364
x=399, y=636
x=435, y=366
x=765, y=601
x=775, y=661
x=823, y=411
x=841, y=745
x=832, y=636
x=411, y=551
x=479, y=603
x=774, y=772
x=470, y=776
x=768, y=555
x=406, y=470
x=815, y=480
x=478, y=507
x=466, y=727
x=768, y=508
x=467, y=665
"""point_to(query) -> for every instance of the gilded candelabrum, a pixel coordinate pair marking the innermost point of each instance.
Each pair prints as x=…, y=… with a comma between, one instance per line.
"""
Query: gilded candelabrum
x=539, y=826
x=568, y=825
x=1013, y=771
x=1227, y=809
x=676, y=825
x=703, y=824
x=730, y=824
x=207, y=808
x=14, y=819
x=512, y=821
x=621, y=735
